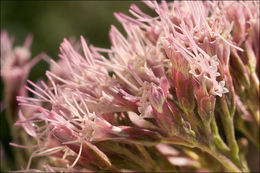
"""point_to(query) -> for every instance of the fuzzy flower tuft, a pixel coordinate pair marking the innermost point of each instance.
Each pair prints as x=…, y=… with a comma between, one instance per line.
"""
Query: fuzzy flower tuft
x=157, y=85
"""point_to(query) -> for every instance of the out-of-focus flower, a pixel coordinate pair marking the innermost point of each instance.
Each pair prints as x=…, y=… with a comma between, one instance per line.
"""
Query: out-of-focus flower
x=15, y=66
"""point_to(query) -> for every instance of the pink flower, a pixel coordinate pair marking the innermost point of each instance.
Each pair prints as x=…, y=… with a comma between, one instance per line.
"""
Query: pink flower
x=159, y=81
x=15, y=65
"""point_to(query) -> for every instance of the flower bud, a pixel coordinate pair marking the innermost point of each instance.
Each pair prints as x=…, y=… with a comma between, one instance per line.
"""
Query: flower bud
x=238, y=69
x=166, y=119
x=184, y=91
x=206, y=105
x=63, y=134
x=141, y=136
x=251, y=57
x=156, y=98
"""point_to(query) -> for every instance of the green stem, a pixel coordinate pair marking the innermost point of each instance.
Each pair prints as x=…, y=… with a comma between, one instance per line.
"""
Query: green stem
x=255, y=82
x=241, y=126
x=207, y=129
x=132, y=156
x=217, y=139
x=227, y=120
x=194, y=121
x=177, y=141
x=18, y=153
x=227, y=163
x=256, y=115
x=147, y=157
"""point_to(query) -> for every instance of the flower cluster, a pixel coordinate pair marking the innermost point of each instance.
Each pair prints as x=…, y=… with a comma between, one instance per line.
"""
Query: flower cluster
x=161, y=86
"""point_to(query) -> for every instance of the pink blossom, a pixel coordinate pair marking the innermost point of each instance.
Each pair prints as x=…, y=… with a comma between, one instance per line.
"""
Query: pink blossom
x=159, y=82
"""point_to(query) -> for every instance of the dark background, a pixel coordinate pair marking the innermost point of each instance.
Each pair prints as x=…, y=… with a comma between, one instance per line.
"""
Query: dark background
x=52, y=21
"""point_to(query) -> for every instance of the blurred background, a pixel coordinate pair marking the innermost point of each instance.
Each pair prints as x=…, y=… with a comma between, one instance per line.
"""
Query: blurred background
x=50, y=22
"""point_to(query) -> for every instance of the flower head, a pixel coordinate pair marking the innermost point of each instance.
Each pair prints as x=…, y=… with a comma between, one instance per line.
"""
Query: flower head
x=168, y=71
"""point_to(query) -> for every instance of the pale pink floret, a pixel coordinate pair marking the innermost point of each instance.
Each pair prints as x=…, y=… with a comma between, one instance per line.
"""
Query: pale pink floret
x=72, y=101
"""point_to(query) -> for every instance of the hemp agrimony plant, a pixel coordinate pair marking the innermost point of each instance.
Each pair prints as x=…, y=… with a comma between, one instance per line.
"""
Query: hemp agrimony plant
x=168, y=96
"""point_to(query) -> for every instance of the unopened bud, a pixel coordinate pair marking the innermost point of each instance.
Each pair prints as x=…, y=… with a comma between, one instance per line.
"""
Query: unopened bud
x=63, y=134
x=141, y=136
x=206, y=105
x=156, y=98
x=184, y=91
x=251, y=56
x=240, y=72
